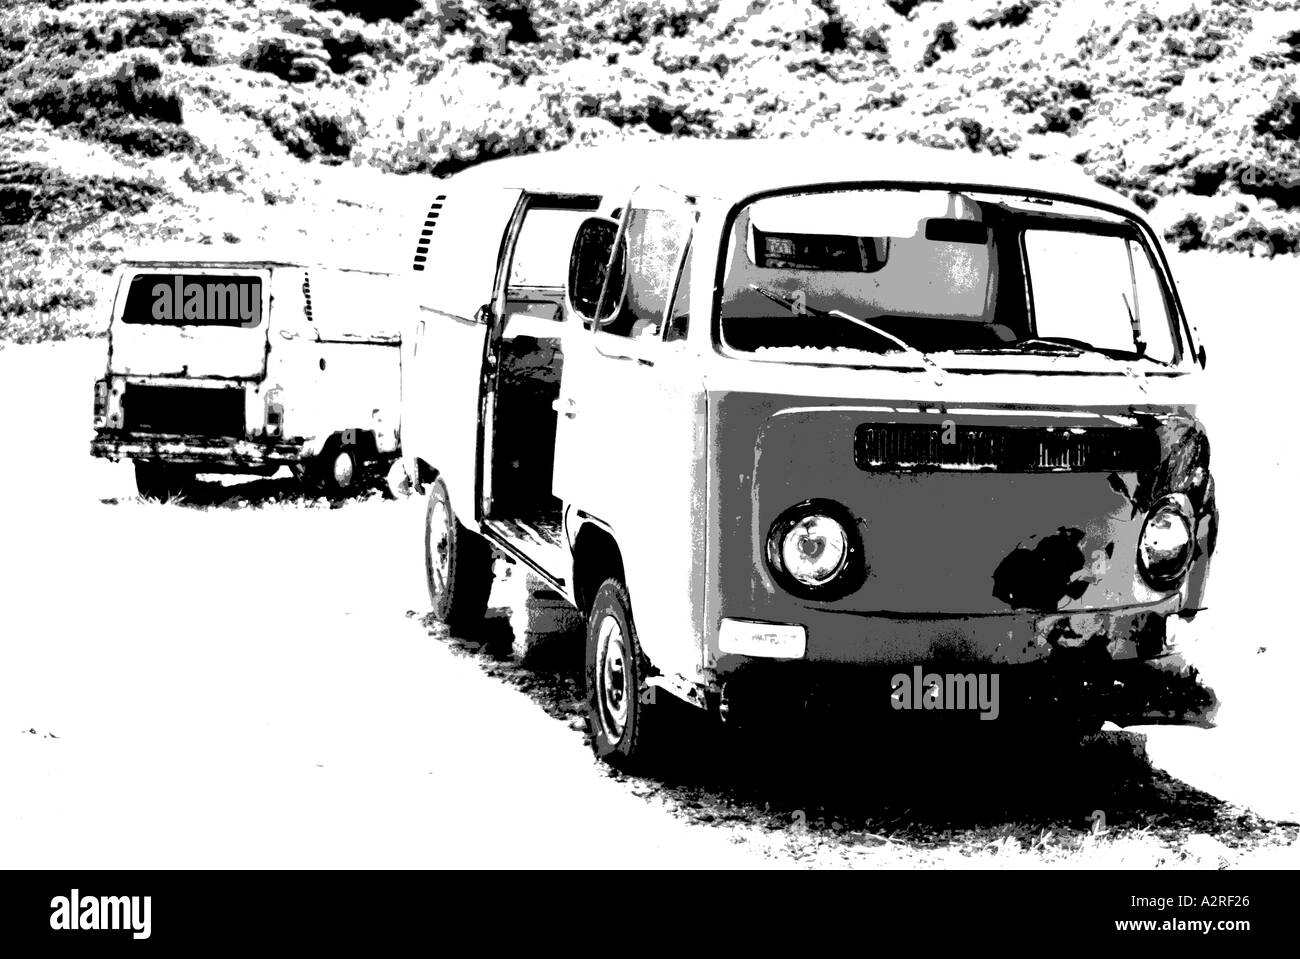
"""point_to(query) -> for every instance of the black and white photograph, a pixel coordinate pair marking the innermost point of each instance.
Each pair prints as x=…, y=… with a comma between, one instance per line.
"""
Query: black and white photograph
x=784, y=435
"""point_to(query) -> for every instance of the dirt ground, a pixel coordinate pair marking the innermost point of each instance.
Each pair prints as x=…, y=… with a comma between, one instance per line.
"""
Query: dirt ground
x=252, y=680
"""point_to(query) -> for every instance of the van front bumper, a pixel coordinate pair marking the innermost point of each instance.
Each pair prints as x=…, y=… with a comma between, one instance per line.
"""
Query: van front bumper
x=1118, y=665
x=204, y=452
x=832, y=636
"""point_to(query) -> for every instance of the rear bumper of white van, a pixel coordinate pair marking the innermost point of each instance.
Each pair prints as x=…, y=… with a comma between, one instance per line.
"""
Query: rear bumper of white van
x=206, y=452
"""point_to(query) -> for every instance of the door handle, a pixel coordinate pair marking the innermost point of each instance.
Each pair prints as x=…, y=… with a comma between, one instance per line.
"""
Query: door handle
x=566, y=405
x=628, y=358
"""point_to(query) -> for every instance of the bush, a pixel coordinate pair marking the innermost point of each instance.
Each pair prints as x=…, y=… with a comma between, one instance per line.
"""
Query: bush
x=297, y=59
x=123, y=99
x=32, y=194
x=36, y=306
x=312, y=128
x=465, y=116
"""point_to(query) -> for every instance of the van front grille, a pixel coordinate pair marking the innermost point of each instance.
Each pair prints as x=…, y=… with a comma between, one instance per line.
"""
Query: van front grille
x=184, y=410
x=1010, y=449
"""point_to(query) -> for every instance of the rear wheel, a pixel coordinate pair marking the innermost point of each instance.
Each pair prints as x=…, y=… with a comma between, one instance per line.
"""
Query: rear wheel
x=457, y=563
x=161, y=481
x=627, y=720
x=337, y=470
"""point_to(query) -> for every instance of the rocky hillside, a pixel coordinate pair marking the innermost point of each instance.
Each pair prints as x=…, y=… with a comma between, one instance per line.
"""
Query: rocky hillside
x=222, y=121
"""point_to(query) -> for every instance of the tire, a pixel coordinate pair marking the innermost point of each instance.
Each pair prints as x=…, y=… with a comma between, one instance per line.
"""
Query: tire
x=337, y=470
x=629, y=724
x=160, y=481
x=457, y=563
x=397, y=481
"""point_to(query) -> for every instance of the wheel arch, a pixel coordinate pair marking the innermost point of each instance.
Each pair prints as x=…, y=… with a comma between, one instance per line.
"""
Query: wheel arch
x=363, y=440
x=425, y=472
x=596, y=557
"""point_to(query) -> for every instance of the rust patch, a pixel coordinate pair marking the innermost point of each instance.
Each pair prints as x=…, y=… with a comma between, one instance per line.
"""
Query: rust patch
x=1184, y=460
x=1041, y=577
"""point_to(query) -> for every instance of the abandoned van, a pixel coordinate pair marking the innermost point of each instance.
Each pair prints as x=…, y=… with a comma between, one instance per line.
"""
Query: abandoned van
x=796, y=423
x=247, y=366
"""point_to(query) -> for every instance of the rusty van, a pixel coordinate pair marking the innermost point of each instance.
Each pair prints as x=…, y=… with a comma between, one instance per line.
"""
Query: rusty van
x=245, y=366
x=784, y=419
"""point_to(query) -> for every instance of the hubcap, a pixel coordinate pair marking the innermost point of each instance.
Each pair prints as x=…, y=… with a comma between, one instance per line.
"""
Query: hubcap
x=343, y=470
x=611, y=677
x=440, y=544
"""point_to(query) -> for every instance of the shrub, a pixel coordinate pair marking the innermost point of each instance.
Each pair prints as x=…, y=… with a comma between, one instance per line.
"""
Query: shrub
x=124, y=99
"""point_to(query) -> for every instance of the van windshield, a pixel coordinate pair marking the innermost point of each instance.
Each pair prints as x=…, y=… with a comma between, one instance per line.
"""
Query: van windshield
x=831, y=276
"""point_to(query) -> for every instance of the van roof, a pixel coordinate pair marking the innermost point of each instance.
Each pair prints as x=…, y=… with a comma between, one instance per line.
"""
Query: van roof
x=253, y=255
x=735, y=169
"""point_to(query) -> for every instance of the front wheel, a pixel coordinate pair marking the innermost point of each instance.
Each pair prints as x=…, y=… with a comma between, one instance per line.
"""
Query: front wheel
x=629, y=728
x=457, y=563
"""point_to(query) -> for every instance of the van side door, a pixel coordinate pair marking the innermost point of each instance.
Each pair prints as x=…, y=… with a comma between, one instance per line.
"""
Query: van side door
x=455, y=267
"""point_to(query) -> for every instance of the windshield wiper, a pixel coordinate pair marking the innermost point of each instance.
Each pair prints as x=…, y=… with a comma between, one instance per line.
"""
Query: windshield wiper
x=1060, y=342
x=798, y=308
x=1078, y=346
x=1124, y=357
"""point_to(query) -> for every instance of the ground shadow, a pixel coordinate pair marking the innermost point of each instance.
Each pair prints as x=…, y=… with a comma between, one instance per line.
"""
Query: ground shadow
x=855, y=781
x=263, y=491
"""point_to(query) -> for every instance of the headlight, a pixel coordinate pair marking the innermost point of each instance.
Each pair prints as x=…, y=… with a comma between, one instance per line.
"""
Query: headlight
x=814, y=549
x=1166, y=543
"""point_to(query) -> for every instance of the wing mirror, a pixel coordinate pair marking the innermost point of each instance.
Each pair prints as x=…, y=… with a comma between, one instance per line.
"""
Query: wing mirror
x=589, y=262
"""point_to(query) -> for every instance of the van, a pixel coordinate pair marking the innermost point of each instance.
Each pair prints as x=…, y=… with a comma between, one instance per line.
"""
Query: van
x=247, y=366
x=789, y=421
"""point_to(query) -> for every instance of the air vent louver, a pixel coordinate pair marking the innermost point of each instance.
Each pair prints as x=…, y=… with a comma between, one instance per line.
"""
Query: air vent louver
x=430, y=221
x=306, y=298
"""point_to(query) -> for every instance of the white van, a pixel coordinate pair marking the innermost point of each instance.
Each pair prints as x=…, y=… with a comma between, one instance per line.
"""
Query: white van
x=245, y=366
x=787, y=423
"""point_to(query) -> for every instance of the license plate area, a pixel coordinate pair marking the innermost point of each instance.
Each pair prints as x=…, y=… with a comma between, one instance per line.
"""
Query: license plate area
x=184, y=410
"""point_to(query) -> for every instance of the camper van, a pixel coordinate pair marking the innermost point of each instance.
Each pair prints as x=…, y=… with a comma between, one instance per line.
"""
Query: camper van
x=248, y=366
x=789, y=421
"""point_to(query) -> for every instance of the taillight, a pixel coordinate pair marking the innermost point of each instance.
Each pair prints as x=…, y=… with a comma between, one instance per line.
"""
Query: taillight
x=101, y=403
x=274, y=413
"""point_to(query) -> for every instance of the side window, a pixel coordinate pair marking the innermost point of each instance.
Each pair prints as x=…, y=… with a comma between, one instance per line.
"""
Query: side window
x=541, y=254
x=650, y=247
x=679, y=318
x=539, y=263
